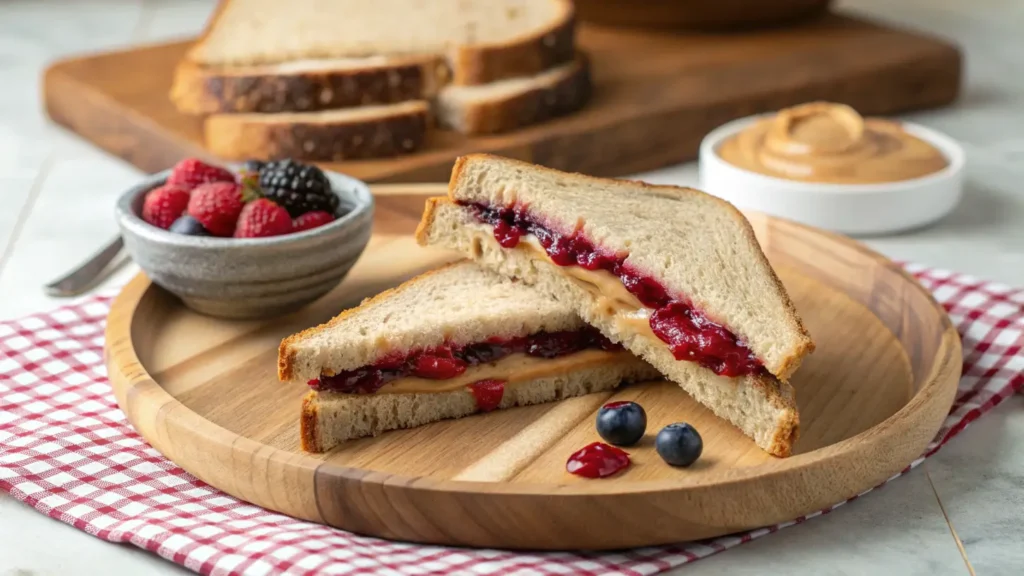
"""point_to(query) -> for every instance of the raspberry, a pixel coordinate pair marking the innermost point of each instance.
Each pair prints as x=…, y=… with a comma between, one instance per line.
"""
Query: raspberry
x=191, y=172
x=164, y=205
x=261, y=218
x=311, y=220
x=217, y=205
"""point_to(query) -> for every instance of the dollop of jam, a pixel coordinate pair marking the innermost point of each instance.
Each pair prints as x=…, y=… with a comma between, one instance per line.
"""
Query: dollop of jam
x=689, y=334
x=487, y=393
x=448, y=361
x=597, y=460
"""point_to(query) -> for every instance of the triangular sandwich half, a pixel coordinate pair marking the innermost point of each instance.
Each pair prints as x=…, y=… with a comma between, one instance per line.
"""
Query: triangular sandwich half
x=673, y=274
x=446, y=344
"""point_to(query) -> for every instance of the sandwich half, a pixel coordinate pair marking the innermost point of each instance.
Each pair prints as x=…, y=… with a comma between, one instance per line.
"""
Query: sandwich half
x=446, y=344
x=674, y=275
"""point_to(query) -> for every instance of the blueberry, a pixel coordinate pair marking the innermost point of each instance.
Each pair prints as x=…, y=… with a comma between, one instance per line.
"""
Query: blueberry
x=252, y=166
x=679, y=444
x=189, y=226
x=621, y=423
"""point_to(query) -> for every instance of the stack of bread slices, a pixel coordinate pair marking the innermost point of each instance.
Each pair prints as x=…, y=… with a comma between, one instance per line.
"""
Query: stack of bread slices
x=347, y=79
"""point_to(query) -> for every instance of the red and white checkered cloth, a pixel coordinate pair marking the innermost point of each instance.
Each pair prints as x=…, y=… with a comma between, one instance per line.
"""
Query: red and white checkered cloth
x=67, y=450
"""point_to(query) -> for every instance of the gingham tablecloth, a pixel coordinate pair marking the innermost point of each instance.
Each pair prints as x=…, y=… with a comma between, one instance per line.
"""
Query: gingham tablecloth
x=67, y=450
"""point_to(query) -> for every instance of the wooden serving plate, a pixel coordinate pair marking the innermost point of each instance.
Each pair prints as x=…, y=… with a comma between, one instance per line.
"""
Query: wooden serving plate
x=656, y=94
x=204, y=392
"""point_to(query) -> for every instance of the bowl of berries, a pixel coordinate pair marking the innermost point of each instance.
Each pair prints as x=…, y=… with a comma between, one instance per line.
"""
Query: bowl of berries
x=253, y=241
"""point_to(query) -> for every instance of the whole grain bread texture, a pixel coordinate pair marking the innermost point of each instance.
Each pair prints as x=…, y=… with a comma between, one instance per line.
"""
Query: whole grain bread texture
x=330, y=135
x=511, y=104
x=328, y=419
x=697, y=246
x=305, y=85
x=480, y=41
x=763, y=407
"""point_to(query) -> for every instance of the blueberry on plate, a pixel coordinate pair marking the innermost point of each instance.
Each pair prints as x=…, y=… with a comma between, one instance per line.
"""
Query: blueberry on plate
x=189, y=226
x=621, y=423
x=679, y=444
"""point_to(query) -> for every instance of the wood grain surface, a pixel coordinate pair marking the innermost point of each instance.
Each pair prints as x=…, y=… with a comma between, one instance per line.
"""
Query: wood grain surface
x=656, y=95
x=698, y=15
x=204, y=392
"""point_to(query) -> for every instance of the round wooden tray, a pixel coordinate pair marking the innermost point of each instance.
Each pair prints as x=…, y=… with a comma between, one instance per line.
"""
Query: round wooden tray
x=204, y=392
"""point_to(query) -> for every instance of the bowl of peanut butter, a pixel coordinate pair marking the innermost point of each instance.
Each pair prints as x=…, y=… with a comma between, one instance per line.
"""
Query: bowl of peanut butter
x=825, y=165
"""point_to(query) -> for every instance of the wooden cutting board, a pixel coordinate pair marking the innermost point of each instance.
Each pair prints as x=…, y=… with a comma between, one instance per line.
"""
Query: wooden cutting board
x=656, y=95
x=204, y=392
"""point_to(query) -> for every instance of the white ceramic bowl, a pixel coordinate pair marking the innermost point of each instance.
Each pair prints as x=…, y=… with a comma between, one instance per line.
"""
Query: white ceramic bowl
x=856, y=209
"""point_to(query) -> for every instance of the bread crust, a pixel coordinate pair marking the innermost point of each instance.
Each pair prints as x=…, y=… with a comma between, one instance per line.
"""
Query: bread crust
x=566, y=95
x=789, y=364
x=525, y=56
x=262, y=89
x=309, y=416
x=240, y=137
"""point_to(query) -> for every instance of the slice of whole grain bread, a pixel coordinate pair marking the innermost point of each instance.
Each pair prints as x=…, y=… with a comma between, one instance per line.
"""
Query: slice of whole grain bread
x=305, y=85
x=329, y=135
x=479, y=40
x=514, y=103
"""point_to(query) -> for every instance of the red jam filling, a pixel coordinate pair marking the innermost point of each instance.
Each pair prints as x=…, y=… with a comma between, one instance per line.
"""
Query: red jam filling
x=446, y=361
x=597, y=460
x=689, y=334
x=487, y=394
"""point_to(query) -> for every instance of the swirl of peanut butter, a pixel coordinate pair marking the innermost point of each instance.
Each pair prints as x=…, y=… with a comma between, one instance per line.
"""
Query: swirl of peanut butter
x=823, y=142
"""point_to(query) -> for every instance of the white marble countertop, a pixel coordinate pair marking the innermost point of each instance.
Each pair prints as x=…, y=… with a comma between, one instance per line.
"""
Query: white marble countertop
x=959, y=513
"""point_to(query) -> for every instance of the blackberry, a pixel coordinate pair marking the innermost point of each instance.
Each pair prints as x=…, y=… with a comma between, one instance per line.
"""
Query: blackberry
x=300, y=188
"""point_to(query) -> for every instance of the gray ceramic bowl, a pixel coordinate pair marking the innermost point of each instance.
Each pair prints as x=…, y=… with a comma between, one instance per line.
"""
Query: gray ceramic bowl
x=249, y=277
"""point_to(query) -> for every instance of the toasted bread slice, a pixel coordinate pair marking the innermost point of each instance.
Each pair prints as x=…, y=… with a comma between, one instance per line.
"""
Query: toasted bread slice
x=510, y=104
x=458, y=305
x=305, y=85
x=330, y=135
x=479, y=40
